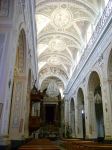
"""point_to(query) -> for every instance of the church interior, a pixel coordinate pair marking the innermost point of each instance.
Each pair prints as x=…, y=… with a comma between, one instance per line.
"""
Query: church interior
x=55, y=74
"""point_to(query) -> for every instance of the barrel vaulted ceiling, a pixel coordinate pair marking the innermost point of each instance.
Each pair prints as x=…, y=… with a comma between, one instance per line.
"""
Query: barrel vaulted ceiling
x=62, y=35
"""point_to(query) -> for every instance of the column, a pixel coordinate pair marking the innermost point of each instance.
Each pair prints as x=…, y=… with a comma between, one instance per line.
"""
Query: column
x=86, y=107
x=27, y=114
x=66, y=116
x=76, y=121
x=18, y=108
x=73, y=123
x=107, y=107
x=91, y=116
x=79, y=122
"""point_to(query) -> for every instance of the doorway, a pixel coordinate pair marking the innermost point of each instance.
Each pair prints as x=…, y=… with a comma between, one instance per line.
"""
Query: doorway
x=50, y=113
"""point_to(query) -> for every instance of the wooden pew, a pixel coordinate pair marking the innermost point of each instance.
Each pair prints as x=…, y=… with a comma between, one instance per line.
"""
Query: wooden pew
x=96, y=147
x=39, y=144
x=67, y=143
x=85, y=145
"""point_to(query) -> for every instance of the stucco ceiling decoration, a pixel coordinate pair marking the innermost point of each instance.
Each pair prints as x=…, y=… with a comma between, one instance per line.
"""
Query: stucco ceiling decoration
x=50, y=71
x=88, y=4
x=61, y=18
x=54, y=60
x=57, y=45
x=61, y=38
x=63, y=56
x=62, y=29
x=62, y=61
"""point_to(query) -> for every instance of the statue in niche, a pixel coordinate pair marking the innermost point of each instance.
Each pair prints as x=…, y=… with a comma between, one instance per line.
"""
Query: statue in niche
x=4, y=8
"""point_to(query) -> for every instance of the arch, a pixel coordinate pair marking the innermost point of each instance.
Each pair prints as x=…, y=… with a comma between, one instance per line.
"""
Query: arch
x=109, y=64
x=46, y=81
x=109, y=78
x=86, y=5
x=62, y=34
x=50, y=71
x=93, y=81
x=81, y=130
x=19, y=92
x=72, y=117
x=52, y=75
x=96, y=119
x=20, y=64
x=80, y=96
x=72, y=104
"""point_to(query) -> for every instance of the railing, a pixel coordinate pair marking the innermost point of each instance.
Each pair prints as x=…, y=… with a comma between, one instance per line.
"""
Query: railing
x=93, y=40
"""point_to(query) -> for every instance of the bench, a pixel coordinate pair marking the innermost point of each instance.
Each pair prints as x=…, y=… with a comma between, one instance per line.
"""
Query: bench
x=39, y=144
x=85, y=145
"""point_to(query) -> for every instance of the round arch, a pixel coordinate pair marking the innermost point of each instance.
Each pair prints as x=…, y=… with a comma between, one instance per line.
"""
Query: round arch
x=109, y=65
x=95, y=109
x=81, y=131
x=47, y=76
x=20, y=63
x=18, y=98
x=72, y=104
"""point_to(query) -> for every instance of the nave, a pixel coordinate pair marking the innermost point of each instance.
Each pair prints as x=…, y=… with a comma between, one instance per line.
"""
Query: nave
x=55, y=74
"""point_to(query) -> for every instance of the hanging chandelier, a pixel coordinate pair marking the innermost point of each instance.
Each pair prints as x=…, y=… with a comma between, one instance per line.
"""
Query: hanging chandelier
x=52, y=89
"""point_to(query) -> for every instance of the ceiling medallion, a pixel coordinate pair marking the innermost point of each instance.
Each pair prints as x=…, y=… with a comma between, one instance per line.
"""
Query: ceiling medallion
x=61, y=18
x=57, y=45
x=53, y=60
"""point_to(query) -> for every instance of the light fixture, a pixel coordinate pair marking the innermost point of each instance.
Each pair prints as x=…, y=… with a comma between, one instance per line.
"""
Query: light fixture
x=52, y=89
x=82, y=112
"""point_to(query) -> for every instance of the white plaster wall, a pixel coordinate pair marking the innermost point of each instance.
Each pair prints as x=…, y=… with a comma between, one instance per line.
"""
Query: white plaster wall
x=11, y=26
x=95, y=59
